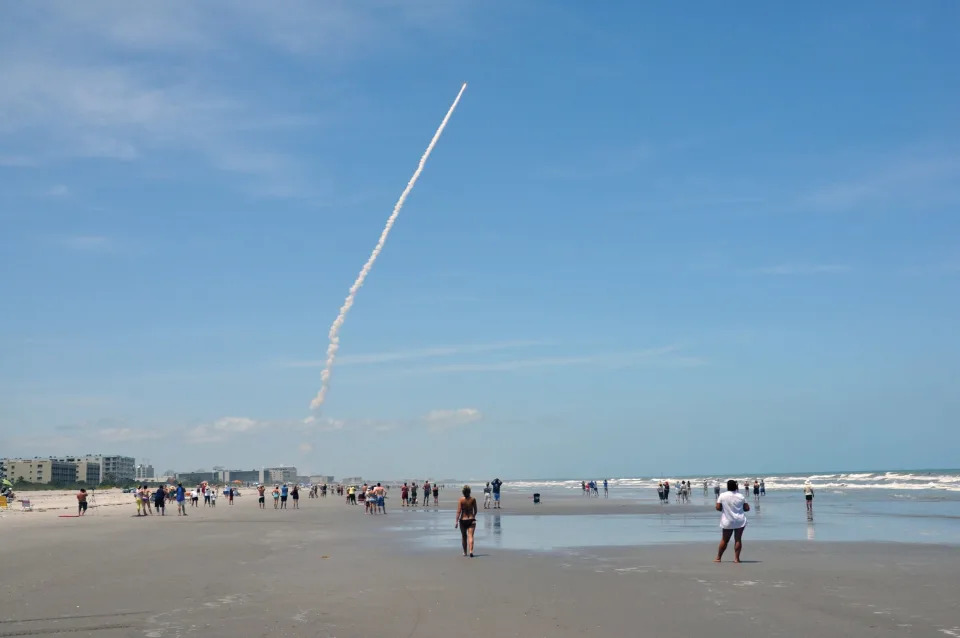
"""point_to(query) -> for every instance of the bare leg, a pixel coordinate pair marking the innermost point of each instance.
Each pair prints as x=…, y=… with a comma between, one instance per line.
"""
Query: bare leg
x=738, y=544
x=463, y=538
x=470, y=531
x=727, y=533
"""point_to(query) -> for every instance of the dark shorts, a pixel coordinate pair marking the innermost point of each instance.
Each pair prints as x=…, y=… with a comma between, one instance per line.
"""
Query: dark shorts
x=496, y=496
x=296, y=497
x=465, y=525
x=809, y=497
x=83, y=506
x=262, y=499
x=283, y=499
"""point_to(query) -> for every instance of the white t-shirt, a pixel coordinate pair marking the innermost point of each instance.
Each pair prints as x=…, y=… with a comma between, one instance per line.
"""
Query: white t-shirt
x=731, y=514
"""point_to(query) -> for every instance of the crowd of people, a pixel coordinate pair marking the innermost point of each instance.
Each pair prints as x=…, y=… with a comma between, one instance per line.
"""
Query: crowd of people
x=149, y=500
x=685, y=489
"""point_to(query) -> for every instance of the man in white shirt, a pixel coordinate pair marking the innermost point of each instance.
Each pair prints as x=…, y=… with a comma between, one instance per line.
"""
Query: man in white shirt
x=733, y=519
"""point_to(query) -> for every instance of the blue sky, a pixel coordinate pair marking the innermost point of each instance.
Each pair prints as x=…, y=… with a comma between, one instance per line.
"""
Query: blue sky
x=653, y=239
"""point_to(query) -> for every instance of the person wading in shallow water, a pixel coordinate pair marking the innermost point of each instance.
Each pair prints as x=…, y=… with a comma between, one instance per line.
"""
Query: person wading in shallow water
x=732, y=507
x=467, y=520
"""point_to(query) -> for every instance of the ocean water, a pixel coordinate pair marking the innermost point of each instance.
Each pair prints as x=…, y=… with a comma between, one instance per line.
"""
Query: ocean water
x=897, y=481
x=885, y=506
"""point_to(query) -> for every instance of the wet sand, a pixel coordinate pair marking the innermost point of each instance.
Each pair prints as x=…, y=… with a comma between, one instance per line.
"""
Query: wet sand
x=329, y=570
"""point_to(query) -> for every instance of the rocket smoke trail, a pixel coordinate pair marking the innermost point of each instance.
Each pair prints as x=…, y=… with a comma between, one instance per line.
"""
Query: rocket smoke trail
x=348, y=302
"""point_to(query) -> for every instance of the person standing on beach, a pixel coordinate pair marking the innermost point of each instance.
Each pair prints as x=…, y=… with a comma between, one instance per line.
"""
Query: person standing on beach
x=808, y=495
x=467, y=520
x=763, y=488
x=756, y=490
x=284, y=491
x=81, y=502
x=495, y=486
x=146, y=500
x=716, y=489
x=261, y=499
x=160, y=501
x=213, y=495
x=276, y=496
x=381, y=494
x=606, y=489
x=181, y=500
x=426, y=493
x=486, y=496
x=230, y=495
x=295, y=493
x=660, y=492
x=436, y=494
x=404, y=495
x=733, y=520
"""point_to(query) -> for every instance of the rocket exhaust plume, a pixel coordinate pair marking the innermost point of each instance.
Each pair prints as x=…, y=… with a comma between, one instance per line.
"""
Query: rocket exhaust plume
x=348, y=302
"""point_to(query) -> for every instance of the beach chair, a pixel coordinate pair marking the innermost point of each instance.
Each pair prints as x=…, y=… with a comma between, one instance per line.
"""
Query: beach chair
x=25, y=505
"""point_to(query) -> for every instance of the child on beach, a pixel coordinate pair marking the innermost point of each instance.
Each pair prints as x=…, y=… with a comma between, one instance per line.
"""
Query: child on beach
x=486, y=496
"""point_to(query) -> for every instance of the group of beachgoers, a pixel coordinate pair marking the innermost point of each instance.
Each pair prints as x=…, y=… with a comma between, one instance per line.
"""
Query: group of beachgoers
x=592, y=488
x=148, y=500
x=279, y=494
x=409, y=494
x=685, y=489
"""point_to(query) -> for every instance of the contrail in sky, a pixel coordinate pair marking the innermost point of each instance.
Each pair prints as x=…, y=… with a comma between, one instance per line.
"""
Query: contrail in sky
x=348, y=302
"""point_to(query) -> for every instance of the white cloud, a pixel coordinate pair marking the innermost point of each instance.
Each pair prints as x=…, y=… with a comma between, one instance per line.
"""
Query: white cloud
x=106, y=79
x=410, y=355
x=910, y=183
x=58, y=190
x=802, y=269
x=225, y=428
x=441, y=420
x=305, y=447
x=88, y=243
x=603, y=358
x=17, y=161
x=119, y=435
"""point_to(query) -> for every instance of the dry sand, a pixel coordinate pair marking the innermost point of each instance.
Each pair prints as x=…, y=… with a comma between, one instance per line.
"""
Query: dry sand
x=329, y=570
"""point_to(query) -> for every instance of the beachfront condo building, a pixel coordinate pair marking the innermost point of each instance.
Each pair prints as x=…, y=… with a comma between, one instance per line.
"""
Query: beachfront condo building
x=145, y=471
x=44, y=471
x=114, y=469
x=282, y=474
x=244, y=476
x=86, y=471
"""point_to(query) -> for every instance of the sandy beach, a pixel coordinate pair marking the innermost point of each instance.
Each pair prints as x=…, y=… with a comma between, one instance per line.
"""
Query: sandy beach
x=329, y=570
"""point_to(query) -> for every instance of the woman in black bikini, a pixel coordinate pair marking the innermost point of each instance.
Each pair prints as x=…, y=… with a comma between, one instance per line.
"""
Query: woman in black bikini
x=467, y=520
